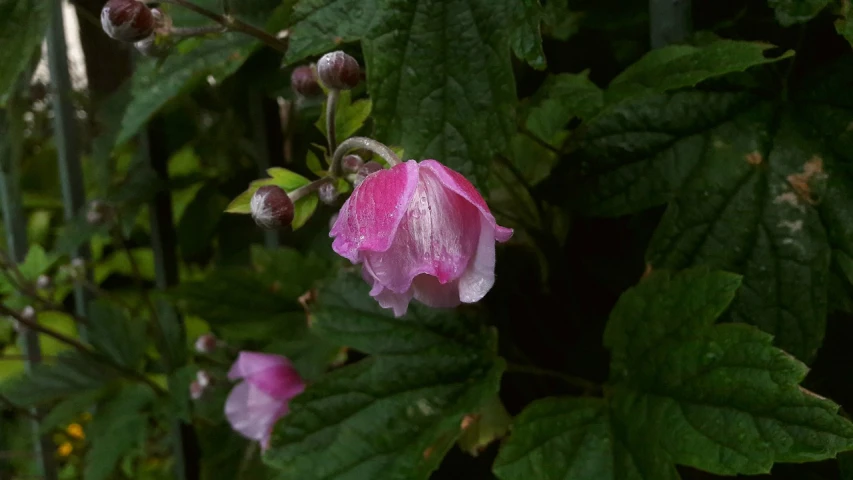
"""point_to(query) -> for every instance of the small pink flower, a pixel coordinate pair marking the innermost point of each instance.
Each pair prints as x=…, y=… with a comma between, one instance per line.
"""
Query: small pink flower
x=422, y=231
x=254, y=405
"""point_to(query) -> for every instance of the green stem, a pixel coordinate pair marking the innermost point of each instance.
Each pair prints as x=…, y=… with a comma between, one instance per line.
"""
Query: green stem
x=312, y=187
x=581, y=383
x=355, y=143
x=331, y=111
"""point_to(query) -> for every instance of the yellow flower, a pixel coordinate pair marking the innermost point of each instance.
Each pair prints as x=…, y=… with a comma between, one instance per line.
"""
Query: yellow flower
x=75, y=431
x=65, y=449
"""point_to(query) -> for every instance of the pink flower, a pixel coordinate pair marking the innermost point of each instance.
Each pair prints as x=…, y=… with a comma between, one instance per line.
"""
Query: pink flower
x=423, y=231
x=254, y=405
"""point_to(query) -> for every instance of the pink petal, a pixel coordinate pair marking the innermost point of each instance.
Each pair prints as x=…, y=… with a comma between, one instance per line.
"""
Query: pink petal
x=399, y=302
x=249, y=363
x=252, y=413
x=369, y=219
x=479, y=278
x=459, y=184
x=435, y=238
x=429, y=291
x=273, y=374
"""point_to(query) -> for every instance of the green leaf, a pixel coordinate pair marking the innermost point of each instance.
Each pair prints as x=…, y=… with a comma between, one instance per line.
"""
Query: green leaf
x=349, y=118
x=154, y=84
x=36, y=263
x=433, y=97
x=402, y=407
x=68, y=409
x=526, y=36
x=321, y=25
x=287, y=180
x=679, y=66
x=116, y=335
x=118, y=427
x=718, y=397
x=490, y=423
x=23, y=25
x=745, y=178
x=69, y=374
x=561, y=98
x=789, y=12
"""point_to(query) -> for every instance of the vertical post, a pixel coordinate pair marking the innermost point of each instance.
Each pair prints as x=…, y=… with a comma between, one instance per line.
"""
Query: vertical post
x=670, y=21
x=65, y=134
x=163, y=243
x=257, y=119
x=11, y=138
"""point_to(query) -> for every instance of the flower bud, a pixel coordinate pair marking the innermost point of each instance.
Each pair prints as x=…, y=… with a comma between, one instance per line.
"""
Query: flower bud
x=351, y=163
x=98, y=213
x=328, y=193
x=303, y=80
x=150, y=47
x=44, y=282
x=271, y=207
x=365, y=170
x=206, y=343
x=202, y=378
x=28, y=313
x=338, y=70
x=196, y=390
x=127, y=20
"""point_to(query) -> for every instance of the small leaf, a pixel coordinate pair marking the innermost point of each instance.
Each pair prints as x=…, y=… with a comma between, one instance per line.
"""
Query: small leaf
x=789, y=12
x=69, y=374
x=36, y=262
x=526, y=36
x=490, y=423
x=561, y=98
x=68, y=409
x=349, y=118
x=23, y=25
x=312, y=161
x=113, y=333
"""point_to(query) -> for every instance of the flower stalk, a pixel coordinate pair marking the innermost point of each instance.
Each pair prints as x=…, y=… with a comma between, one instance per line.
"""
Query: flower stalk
x=361, y=143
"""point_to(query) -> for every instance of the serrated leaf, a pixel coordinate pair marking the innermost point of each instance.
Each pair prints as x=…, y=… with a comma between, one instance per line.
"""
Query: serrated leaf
x=408, y=400
x=321, y=25
x=440, y=76
x=789, y=12
x=69, y=374
x=746, y=180
x=349, y=118
x=678, y=66
x=116, y=335
x=718, y=397
x=154, y=85
x=561, y=98
x=23, y=25
x=526, y=36
x=559, y=438
x=117, y=428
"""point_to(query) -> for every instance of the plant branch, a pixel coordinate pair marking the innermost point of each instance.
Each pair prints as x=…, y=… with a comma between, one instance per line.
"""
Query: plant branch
x=354, y=143
x=231, y=23
x=312, y=187
x=587, y=386
x=331, y=111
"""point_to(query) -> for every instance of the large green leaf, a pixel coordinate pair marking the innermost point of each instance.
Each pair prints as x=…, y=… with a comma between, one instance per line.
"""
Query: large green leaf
x=70, y=373
x=154, y=85
x=754, y=186
x=23, y=24
x=401, y=407
x=789, y=12
x=526, y=37
x=440, y=76
x=112, y=332
x=321, y=25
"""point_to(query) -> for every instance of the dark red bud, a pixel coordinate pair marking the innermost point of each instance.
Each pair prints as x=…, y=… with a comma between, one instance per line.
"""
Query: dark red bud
x=127, y=20
x=365, y=170
x=328, y=193
x=352, y=163
x=338, y=70
x=303, y=80
x=271, y=207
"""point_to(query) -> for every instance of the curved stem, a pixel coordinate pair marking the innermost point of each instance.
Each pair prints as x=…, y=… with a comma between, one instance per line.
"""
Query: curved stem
x=196, y=31
x=331, y=110
x=231, y=23
x=354, y=143
x=304, y=190
x=585, y=385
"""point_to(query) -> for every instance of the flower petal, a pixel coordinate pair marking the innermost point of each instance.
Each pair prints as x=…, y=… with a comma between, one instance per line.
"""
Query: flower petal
x=435, y=238
x=429, y=291
x=459, y=184
x=479, y=278
x=249, y=363
x=369, y=219
x=252, y=413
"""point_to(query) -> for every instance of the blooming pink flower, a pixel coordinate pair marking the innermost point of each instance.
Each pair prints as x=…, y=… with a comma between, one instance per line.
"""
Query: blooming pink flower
x=254, y=405
x=423, y=231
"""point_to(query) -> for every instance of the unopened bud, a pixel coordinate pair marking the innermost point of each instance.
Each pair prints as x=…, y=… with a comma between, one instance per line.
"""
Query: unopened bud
x=206, y=343
x=365, y=170
x=202, y=378
x=328, y=193
x=352, y=163
x=127, y=20
x=338, y=70
x=162, y=22
x=28, y=313
x=271, y=207
x=43, y=282
x=303, y=80
x=152, y=46
x=196, y=390
x=98, y=213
